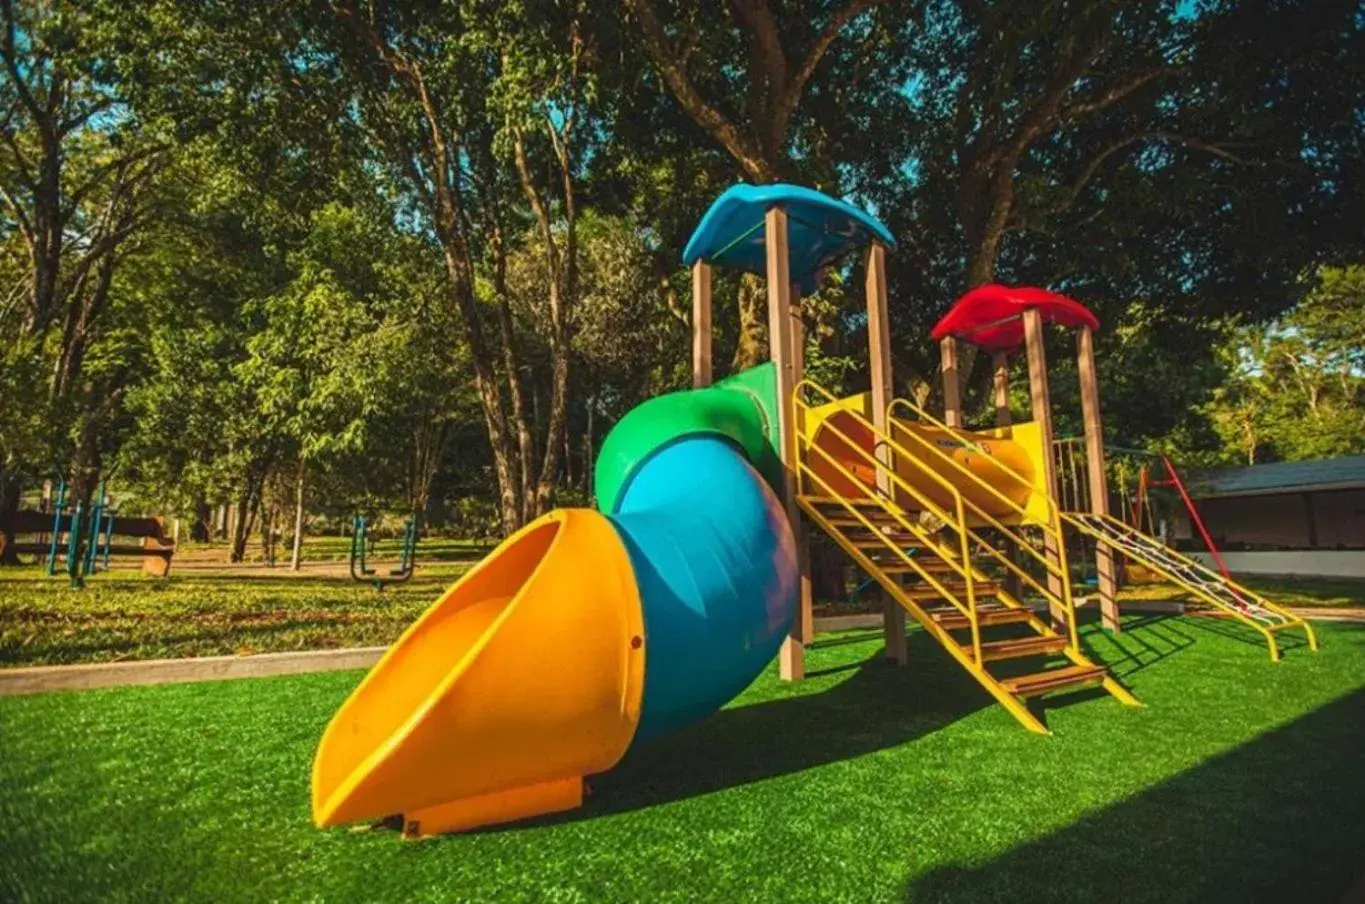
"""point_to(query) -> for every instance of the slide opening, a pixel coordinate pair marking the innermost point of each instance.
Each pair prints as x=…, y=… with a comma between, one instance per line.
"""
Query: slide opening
x=410, y=677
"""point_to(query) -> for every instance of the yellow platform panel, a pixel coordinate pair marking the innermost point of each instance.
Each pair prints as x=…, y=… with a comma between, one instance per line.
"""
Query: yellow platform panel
x=1005, y=461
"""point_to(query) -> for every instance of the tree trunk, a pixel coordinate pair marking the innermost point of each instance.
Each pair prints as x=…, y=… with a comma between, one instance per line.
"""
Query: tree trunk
x=752, y=346
x=267, y=529
x=590, y=453
x=296, y=555
x=201, y=527
x=241, y=510
x=9, y=506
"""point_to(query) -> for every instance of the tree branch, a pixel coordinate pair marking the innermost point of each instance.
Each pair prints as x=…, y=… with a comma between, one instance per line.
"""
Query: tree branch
x=743, y=149
x=1112, y=94
x=827, y=37
x=7, y=52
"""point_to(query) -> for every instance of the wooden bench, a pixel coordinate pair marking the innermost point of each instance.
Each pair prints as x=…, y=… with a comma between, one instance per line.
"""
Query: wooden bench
x=154, y=548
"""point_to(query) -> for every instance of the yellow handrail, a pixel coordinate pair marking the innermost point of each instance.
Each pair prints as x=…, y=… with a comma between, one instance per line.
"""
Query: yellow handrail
x=1052, y=567
x=1054, y=525
x=1214, y=576
x=967, y=440
x=963, y=566
x=960, y=504
x=1222, y=605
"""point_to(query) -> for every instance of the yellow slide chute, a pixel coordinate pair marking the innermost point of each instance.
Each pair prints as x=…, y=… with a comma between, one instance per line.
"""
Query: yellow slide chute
x=524, y=677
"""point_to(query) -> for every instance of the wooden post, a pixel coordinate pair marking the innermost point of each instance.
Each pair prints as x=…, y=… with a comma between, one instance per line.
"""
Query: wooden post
x=1000, y=362
x=1042, y=413
x=792, y=659
x=952, y=382
x=701, y=324
x=804, y=626
x=1000, y=370
x=879, y=358
x=1098, y=484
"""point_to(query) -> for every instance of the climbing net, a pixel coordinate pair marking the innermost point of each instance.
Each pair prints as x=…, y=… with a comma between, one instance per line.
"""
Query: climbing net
x=1153, y=553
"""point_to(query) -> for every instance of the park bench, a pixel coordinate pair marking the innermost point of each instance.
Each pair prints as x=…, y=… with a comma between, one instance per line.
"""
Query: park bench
x=152, y=545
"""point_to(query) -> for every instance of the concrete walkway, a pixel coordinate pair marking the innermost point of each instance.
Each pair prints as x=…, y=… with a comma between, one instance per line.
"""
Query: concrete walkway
x=42, y=679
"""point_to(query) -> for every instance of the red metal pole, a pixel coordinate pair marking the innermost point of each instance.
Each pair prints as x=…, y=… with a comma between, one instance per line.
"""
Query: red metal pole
x=1194, y=517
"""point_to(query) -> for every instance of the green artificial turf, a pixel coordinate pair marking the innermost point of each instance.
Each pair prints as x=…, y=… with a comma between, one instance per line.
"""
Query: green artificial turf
x=123, y=615
x=1240, y=780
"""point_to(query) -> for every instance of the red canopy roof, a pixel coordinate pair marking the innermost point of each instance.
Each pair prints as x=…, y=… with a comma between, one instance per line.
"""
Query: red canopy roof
x=989, y=316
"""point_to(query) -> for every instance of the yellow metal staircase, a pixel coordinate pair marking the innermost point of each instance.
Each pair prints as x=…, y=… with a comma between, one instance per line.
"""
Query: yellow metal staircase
x=945, y=564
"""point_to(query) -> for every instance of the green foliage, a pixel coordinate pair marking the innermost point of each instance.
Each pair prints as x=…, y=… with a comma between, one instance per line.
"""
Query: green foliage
x=352, y=224
x=1296, y=388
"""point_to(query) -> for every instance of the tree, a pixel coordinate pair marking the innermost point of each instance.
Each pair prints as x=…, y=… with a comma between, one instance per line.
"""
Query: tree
x=750, y=110
x=1195, y=156
x=748, y=114
x=76, y=172
x=1296, y=389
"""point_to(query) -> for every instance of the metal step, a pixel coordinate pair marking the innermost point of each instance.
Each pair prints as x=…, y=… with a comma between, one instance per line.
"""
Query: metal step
x=860, y=504
x=1019, y=647
x=956, y=588
x=931, y=564
x=1071, y=677
x=952, y=620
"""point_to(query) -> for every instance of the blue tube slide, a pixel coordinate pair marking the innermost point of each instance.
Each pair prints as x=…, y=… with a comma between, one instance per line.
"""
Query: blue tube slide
x=715, y=563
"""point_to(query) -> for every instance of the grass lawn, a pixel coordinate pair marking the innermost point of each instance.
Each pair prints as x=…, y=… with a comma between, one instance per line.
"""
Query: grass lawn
x=332, y=548
x=1240, y=780
x=125, y=615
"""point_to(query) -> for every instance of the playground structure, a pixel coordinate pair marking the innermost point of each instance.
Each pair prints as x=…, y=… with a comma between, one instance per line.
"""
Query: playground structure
x=362, y=546
x=82, y=542
x=587, y=632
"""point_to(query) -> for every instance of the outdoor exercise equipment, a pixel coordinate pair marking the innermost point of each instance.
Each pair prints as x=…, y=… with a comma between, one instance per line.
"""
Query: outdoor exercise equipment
x=82, y=541
x=362, y=545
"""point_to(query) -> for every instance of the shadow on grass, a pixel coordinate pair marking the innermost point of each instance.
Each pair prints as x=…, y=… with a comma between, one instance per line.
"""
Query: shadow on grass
x=878, y=707
x=1288, y=641
x=1145, y=641
x=1277, y=819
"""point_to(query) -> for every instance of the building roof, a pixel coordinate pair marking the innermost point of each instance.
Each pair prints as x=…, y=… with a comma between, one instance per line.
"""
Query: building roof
x=819, y=230
x=1345, y=473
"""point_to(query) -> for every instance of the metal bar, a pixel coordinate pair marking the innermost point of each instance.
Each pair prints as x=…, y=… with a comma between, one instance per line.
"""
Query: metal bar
x=1194, y=516
x=56, y=528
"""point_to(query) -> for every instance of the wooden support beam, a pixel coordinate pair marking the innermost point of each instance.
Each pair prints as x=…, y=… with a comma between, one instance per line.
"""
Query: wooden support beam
x=1042, y=414
x=879, y=364
x=804, y=626
x=1098, y=484
x=1000, y=375
x=701, y=324
x=1000, y=365
x=952, y=382
x=792, y=659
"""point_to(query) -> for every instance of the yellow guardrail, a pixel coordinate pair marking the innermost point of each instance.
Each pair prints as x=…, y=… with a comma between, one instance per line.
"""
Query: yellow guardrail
x=959, y=561
x=1059, y=568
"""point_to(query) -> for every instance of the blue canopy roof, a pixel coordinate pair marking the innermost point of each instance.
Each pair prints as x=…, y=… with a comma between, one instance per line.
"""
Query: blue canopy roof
x=819, y=229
